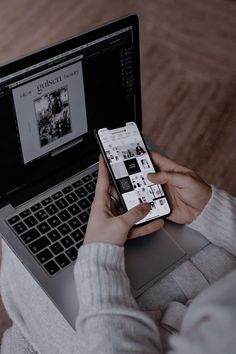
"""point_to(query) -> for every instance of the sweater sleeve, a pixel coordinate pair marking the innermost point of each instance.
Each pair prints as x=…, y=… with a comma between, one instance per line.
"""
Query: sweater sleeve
x=209, y=324
x=217, y=222
x=14, y=342
x=109, y=320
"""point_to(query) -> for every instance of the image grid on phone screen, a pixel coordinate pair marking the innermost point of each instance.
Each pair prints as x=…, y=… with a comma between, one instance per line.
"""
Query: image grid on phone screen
x=130, y=163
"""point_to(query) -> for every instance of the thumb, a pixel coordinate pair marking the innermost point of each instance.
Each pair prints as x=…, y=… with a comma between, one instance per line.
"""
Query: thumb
x=173, y=178
x=135, y=214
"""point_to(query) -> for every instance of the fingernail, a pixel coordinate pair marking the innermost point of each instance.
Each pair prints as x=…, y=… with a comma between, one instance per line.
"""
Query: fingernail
x=145, y=206
x=151, y=174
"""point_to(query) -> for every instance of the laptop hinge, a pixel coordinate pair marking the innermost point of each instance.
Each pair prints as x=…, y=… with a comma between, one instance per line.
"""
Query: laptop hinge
x=51, y=181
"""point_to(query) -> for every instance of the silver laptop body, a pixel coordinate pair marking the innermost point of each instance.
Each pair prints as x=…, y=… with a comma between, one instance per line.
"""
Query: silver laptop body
x=53, y=100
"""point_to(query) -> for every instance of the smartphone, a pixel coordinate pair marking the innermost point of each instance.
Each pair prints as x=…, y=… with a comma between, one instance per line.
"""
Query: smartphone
x=128, y=161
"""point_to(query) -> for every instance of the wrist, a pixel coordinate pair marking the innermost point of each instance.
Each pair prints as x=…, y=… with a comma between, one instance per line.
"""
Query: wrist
x=206, y=195
x=111, y=239
x=99, y=254
x=100, y=268
x=202, y=214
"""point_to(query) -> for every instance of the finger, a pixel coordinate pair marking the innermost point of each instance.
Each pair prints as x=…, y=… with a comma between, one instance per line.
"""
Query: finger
x=113, y=192
x=172, y=178
x=102, y=187
x=135, y=214
x=146, y=229
x=166, y=164
x=114, y=206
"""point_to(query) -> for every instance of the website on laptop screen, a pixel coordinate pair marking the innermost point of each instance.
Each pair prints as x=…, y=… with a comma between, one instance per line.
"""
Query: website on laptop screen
x=52, y=100
x=50, y=111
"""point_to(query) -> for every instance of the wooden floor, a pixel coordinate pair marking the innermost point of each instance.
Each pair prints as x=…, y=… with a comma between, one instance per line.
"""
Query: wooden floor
x=188, y=52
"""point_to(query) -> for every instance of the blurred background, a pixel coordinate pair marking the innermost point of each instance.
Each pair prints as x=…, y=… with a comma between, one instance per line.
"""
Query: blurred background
x=188, y=56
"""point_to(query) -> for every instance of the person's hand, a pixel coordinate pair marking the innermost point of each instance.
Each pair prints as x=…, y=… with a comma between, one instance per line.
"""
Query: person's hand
x=105, y=226
x=186, y=191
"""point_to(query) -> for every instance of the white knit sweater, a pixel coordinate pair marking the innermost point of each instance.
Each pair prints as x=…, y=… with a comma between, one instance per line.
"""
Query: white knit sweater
x=109, y=319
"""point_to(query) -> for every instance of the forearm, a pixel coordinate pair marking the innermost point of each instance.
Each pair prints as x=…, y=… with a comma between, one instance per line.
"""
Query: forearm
x=217, y=222
x=109, y=320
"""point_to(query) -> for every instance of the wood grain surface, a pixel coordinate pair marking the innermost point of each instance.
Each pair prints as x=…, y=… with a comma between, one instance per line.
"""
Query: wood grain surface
x=188, y=55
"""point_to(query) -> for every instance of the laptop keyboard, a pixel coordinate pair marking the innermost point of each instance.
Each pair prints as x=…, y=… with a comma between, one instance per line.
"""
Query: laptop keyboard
x=53, y=229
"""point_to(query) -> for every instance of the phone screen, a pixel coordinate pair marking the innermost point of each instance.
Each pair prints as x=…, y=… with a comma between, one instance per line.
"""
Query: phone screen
x=129, y=162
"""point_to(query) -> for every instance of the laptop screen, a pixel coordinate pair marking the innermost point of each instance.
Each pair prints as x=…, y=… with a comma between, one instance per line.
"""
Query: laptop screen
x=52, y=100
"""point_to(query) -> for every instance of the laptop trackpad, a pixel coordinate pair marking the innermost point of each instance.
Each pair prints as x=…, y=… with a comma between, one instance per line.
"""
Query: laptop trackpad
x=147, y=257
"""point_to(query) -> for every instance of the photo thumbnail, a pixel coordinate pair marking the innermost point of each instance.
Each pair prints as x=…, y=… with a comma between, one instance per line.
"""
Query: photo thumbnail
x=145, y=164
x=124, y=152
x=132, y=166
x=156, y=190
x=160, y=204
x=53, y=116
x=125, y=185
x=144, y=195
x=138, y=181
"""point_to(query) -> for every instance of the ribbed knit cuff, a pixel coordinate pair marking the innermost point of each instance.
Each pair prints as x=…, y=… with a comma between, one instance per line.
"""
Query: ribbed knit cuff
x=208, y=211
x=217, y=221
x=99, y=253
x=100, y=277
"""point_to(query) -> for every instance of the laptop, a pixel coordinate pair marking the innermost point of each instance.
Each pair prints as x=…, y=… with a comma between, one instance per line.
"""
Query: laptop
x=51, y=102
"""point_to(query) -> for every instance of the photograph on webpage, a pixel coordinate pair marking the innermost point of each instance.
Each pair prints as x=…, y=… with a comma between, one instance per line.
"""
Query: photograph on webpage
x=125, y=152
x=53, y=115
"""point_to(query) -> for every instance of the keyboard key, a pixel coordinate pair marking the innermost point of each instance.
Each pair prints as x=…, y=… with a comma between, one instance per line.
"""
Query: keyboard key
x=90, y=187
x=51, y=267
x=64, y=215
x=13, y=220
x=57, y=195
x=41, y=215
x=81, y=192
x=51, y=209
x=91, y=198
x=64, y=229
x=95, y=173
x=54, y=221
x=31, y=221
x=43, y=227
x=67, y=189
x=30, y=235
x=20, y=228
x=87, y=178
x=74, y=223
x=84, y=216
x=61, y=203
x=67, y=241
x=46, y=201
x=78, y=245
x=25, y=213
x=36, y=207
x=83, y=204
x=71, y=198
x=77, y=184
x=72, y=253
x=44, y=256
x=74, y=209
x=39, y=244
x=62, y=260
x=56, y=248
x=77, y=235
x=54, y=235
